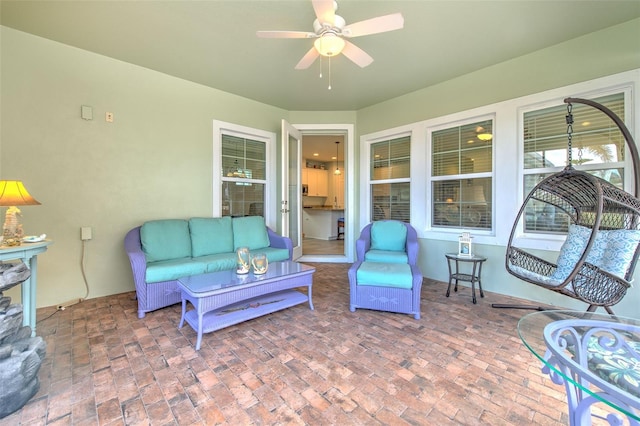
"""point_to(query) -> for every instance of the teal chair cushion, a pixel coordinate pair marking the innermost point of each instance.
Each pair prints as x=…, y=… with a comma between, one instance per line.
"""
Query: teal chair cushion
x=211, y=235
x=388, y=235
x=385, y=275
x=386, y=256
x=250, y=232
x=165, y=239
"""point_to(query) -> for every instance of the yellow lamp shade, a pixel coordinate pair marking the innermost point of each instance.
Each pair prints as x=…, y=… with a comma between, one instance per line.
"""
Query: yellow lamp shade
x=13, y=193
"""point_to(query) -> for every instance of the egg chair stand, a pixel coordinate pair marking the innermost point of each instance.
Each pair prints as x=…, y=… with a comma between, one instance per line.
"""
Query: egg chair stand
x=602, y=213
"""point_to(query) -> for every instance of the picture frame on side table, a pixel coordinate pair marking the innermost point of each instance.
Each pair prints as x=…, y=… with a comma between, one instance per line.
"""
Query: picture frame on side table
x=465, y=245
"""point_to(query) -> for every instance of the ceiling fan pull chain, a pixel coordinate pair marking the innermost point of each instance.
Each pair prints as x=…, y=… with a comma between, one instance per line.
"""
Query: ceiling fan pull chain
x=329, y=88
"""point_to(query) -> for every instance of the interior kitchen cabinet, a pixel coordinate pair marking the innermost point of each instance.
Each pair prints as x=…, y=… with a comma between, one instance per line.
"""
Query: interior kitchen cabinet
x=317, y=182
x=336, y=190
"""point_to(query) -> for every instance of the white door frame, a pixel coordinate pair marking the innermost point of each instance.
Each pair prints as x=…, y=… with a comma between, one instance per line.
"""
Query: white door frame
x=349, y=199
x=290, y=209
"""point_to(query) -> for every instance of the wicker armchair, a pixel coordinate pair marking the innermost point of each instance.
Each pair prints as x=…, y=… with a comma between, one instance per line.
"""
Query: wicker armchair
x=386, y=276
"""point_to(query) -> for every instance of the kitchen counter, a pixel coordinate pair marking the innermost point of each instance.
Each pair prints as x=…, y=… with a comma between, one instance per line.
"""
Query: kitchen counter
x=325, y=208
x=321, y=222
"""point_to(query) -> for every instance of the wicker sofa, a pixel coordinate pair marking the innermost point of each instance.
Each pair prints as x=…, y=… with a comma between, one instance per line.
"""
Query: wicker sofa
x=162, y=251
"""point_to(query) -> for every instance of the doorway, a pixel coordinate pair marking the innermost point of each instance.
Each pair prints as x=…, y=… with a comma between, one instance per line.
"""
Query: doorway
x=323, y=211
x=327, y=206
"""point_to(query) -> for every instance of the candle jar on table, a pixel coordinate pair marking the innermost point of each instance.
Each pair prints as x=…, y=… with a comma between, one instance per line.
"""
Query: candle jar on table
x=243, y=260
x=260, y=264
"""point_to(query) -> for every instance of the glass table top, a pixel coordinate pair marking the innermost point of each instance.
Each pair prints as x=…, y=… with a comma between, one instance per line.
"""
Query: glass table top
x=597, y=353
x=227, y=280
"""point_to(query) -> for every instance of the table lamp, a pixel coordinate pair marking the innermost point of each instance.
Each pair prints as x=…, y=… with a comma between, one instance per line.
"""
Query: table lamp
x=12, y=194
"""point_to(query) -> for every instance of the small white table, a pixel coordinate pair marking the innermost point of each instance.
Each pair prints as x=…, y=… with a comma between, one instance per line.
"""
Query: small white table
x=28, y=253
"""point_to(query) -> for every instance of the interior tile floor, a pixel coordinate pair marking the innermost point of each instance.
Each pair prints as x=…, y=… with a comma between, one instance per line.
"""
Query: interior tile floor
x=461, y=364
x=317, y=246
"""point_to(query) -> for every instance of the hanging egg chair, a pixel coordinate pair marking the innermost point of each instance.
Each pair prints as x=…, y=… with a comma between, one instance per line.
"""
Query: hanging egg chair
x=599, y=255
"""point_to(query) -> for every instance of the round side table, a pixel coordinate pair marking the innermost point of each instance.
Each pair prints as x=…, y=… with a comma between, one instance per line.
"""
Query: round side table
x=473, y=277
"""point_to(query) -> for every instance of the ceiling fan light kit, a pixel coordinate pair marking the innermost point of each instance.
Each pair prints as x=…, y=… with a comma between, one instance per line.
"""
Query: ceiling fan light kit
x=329, y=44
x=330, y=31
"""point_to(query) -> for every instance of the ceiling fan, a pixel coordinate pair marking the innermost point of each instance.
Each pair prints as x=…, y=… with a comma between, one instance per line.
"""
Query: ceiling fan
x=330, y=31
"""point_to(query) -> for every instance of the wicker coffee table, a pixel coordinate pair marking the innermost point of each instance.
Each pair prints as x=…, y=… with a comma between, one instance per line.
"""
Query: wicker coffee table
x=224, y=298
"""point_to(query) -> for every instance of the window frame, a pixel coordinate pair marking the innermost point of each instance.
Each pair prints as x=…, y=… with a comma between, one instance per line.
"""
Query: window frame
x=221, y=128
x=430, y=178
x=553, y=240
x=366, y=142
x=507, y=154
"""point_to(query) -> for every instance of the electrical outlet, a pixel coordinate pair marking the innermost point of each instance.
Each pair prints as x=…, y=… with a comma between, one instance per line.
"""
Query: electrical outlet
x=109, y=117
x=85, y=233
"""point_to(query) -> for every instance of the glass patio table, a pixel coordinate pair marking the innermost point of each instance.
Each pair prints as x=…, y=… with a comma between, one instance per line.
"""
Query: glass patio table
x=595, y=356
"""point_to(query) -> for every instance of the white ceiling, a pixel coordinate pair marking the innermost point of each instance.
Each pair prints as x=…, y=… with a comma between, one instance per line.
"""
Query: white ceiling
x=214, y=43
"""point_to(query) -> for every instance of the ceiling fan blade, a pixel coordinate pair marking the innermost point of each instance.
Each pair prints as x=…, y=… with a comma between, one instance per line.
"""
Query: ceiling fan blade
x=308, y=59
x=381, y=24
x=357, y=55
x=324, y=11
x=286, y=34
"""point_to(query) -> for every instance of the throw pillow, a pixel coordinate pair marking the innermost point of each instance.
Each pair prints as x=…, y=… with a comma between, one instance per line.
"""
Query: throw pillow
x=620, y=248
x=571, y=251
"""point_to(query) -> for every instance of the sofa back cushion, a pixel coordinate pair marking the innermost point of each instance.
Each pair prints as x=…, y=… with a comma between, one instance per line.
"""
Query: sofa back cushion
x=250, y=232
x=388, y=235
x=165, y=239
x=211, y=235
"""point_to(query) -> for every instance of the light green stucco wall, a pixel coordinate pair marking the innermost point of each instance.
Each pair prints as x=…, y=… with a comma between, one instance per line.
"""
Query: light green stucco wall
x=155, y=160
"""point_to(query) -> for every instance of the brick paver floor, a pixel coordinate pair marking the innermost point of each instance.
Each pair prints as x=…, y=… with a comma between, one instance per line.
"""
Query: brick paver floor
x=460, y=364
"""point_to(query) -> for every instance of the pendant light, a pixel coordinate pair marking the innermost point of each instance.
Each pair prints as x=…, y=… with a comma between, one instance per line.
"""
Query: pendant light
x=337, y=171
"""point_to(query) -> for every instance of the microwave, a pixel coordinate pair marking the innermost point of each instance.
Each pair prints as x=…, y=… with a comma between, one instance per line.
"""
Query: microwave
x=305, y=189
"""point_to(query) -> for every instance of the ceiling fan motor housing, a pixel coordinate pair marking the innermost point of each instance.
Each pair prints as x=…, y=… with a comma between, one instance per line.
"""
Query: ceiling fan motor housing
x=322, y=27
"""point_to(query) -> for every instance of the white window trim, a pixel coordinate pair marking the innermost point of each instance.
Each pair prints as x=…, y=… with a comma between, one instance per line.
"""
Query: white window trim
x=589, y=90
x=270, y=191
x=508, y=157
x=430, y=179
x=365, y=161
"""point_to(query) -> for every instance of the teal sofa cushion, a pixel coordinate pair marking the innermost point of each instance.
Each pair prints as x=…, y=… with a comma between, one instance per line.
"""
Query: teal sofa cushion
x=225, y=261
x=387, y=256
x=385, y=275
x=388, y=235
x=218, y=262
x=165, y=239
x=211, y=235
x=274, y=254
x=169, y=270
x=250, y=232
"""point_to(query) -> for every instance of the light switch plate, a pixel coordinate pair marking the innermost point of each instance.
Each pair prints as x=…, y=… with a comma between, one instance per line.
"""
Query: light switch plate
x=86, y=112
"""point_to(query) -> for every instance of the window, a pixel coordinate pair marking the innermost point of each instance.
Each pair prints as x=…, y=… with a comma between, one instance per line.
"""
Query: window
x=243, y=176
x=462, y=176
x=597, y=147
x=389, y=175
